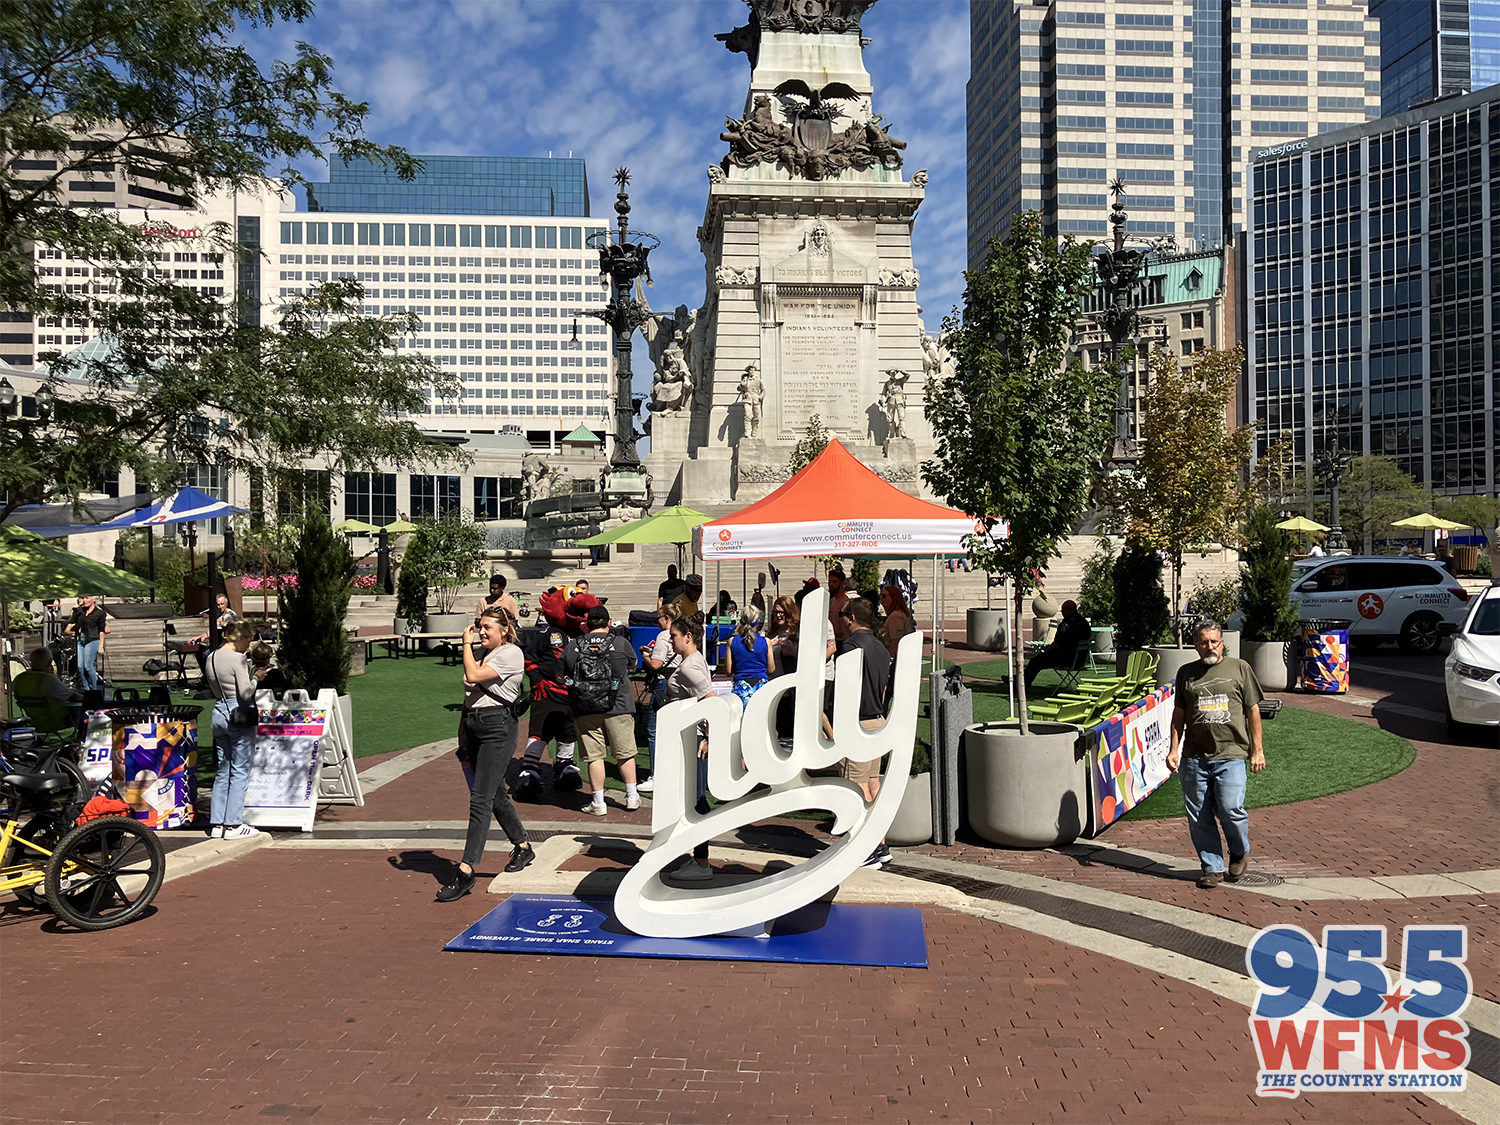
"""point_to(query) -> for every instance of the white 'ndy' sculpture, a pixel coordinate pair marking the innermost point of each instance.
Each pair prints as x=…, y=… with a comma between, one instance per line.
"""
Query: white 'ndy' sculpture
x=653, y=908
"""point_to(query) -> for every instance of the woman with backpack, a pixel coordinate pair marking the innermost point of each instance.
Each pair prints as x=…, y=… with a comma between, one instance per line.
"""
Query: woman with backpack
x=752, y=661
x=492, y=699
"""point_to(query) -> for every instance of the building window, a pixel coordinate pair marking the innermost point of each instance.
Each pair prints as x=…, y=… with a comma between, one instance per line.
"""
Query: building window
x=1192, y=320
x=494, y=236
x=520, y=237
x=369, y=234
x=291, y=234
x=370, y=497
x=395, y=234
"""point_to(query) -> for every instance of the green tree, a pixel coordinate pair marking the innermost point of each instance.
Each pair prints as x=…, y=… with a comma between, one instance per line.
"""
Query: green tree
x=454, y=551
x=411, y=585
x=1096, y=592
x=1266, y=580
x=1019, y=427
x=314, y=649
x=163, y=91
x=1142, y=615
x=1481, y=512
x=815, y=438
x=1183, y=492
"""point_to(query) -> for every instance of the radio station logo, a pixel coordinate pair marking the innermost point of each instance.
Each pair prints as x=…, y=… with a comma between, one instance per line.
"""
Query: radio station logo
x=1330, y=1017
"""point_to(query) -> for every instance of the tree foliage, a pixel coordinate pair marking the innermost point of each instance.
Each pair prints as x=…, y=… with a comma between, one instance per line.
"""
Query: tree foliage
x=1184, y=491
x=815, y=438
x=1266, y=580
x=314, y=647
x=1096, y=591
x=1142, y=616
x=453, y=548
x=1019, y=427
x=163, y=91
x=411, y=585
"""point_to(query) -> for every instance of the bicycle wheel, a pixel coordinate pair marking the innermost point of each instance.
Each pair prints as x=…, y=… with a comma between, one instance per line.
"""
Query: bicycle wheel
x=105, y=873
x=45, y=831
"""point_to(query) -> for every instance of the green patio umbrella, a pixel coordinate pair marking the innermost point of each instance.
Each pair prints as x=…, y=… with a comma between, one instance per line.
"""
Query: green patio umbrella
x=355, y=527
x=33, y=568
x=670, y=525
x=1301, y=523
x=1428, y=522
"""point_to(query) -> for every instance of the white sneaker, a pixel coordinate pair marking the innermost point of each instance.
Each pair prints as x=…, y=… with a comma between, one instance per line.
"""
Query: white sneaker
x=600, y=809
x=632, y=802
x=692, y=872
x=216, y=832
x=243, y=832
x=647, y=786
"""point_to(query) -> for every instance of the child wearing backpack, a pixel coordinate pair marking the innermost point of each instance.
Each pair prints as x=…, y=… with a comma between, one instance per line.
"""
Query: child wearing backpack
x=598, y=666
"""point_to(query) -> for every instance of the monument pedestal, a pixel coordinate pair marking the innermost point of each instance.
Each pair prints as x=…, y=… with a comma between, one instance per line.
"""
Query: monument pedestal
x=901, y=450
x=705, y=476
x=669, y=442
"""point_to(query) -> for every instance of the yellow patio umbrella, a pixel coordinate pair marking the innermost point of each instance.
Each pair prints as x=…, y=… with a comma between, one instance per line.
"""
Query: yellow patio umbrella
x=355, y=527
x=1428, y=522
x=1301, y=523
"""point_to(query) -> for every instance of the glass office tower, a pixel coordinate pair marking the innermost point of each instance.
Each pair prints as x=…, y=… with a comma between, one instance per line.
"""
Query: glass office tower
x=1371, y=292
x=1429, y=48
x=1173, y=97
x=459, y=185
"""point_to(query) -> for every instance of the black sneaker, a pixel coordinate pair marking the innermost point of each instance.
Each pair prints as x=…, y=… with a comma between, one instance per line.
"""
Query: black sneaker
x=521, y=858
x=528, y=785
x=462, y=884
x=568, y=778
x=879, y=857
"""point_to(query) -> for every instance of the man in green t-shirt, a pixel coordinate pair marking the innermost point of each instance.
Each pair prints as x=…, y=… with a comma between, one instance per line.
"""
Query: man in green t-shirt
x=1215, y=731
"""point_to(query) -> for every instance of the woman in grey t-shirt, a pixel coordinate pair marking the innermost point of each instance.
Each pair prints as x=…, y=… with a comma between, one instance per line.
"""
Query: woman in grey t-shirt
x=491, y=686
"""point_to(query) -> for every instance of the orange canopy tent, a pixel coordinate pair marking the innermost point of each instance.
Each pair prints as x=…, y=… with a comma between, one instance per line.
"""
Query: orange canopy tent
x=835, y=506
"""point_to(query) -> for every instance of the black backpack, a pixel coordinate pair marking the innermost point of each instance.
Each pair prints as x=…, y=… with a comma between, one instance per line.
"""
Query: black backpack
x=593, y=685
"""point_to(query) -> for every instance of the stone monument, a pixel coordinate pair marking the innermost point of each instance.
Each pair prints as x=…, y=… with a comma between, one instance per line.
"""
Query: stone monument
x=811, y=305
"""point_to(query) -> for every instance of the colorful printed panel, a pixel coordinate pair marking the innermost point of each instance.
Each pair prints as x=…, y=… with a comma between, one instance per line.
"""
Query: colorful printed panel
x=1127, y=757
x=1325, y=660
x=156, y=768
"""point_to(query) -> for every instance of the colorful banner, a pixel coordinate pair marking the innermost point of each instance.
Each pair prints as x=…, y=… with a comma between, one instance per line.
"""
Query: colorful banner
x=1127, y=758
x=1325, y=660
x=155, y=766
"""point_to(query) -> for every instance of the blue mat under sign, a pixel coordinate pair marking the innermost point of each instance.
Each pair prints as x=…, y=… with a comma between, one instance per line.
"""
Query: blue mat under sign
x=820, y=934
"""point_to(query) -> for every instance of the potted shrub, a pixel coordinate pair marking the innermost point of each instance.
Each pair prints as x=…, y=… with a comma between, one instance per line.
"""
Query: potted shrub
x=913, y=823
x=1271, y=622
x=411, y=587
x=1221, y=601
x=1184, y=489
x=1142, y=616
x=1096, y=594
x=314, y=649
x=1019, y=428
x=454, y=551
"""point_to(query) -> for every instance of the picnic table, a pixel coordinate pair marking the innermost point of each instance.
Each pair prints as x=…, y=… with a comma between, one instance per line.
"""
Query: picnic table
x=448, y=644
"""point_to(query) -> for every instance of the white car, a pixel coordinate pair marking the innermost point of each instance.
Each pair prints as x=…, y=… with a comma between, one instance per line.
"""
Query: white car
x=1471, y=673
x=1383, y=597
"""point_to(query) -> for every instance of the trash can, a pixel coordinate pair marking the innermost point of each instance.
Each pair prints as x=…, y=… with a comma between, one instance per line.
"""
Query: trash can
x=155, y=762
x=1466, y=558
x=1325, y=656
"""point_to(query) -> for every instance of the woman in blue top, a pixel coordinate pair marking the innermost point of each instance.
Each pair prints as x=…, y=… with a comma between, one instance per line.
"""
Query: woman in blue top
x=751, y=660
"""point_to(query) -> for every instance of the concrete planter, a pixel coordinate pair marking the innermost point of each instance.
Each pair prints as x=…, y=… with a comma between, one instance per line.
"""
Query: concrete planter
x=1104, y=638
x=401, y=626
x=356, y=657
x=444, y=623
x=1025, y=791
x=913, y=823
x=1232, y=643
x=1271, y=661
x=986, y=629
x=1171, y=658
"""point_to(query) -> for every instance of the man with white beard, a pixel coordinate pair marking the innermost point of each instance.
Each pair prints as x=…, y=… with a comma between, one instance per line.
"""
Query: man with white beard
x=1216, y=730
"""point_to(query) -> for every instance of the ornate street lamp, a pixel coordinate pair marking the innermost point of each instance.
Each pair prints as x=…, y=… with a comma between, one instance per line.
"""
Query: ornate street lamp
x=622, y=257
x=1331, y=465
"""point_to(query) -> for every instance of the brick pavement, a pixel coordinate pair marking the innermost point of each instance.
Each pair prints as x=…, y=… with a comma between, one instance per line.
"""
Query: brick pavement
x=298, y=986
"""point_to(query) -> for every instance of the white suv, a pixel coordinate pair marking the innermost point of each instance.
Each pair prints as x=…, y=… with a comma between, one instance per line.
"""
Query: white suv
x=1471, y=674
x=1383, y=597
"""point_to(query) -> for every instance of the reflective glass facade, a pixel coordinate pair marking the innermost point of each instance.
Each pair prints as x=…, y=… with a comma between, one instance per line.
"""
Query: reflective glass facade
x=1429, y=48
x=459, y=185
x=1371, y=293
x=1175, y=97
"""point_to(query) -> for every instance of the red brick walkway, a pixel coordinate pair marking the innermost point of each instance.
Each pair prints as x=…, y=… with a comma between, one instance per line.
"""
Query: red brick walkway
x=295, y=986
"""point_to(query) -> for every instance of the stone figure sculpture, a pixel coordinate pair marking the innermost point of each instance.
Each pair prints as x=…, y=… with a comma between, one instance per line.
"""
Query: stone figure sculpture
x=900, y=279
x=932, y=359
x=672, y=386
x=919, y=178
x=893, y=403
x=539, y=481
x=811, y=150
x=752, y=395
x=715, y=174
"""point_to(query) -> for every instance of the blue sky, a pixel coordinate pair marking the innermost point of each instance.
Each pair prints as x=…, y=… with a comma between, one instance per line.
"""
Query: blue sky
x=635, y=82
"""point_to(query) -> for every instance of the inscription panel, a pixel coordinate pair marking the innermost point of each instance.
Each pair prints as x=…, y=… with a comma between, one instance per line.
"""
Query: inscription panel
x=819, y=345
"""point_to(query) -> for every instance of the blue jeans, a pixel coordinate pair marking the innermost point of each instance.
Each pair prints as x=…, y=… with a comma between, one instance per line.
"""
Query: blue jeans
x=234, y=747
x=1215, y=790
x=88, y=666
x=658, y=695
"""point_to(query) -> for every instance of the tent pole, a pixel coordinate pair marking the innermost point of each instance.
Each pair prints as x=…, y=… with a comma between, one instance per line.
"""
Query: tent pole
x=936, y=644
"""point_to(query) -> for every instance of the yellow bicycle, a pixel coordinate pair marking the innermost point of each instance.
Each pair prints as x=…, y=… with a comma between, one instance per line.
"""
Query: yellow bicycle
x=96, y=875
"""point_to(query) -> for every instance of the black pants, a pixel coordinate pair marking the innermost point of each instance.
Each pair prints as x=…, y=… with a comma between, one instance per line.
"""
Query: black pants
x=1042, y=660
x=491, y=734
x=700, y=851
